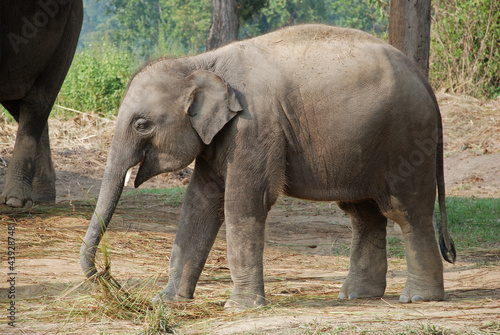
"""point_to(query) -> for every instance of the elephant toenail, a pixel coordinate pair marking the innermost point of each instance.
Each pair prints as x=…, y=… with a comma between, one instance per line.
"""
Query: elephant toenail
x=14, y=202
x=417, y=298
x=353, y=296
x=342, y=296
x=404, y=299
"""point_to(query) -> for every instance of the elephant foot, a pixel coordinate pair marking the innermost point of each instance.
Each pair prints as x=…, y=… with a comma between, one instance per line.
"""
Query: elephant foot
x=20, y=199
x=417, y=290
x=16, y=200
x=360, y=289
x=245, y=301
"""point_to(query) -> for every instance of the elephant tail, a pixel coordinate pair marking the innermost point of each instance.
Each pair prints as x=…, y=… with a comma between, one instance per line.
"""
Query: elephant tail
x=445, y=241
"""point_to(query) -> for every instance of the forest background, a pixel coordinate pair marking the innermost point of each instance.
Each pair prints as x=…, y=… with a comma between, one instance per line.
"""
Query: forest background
x=119, y=36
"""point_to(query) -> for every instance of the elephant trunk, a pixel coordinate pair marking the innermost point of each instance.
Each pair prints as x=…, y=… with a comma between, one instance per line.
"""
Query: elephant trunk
x=109, y=195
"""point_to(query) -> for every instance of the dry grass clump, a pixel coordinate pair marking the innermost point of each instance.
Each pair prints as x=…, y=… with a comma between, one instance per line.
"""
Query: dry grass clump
x=470, y=124
x=82, y=131
x=8, y=132
x=75, y=130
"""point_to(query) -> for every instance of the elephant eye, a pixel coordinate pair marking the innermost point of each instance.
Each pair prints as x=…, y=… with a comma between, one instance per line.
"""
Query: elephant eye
x=143, y=126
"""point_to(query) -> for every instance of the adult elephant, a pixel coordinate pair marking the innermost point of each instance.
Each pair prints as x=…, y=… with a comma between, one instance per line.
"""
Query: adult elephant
x=311, y=111
x=37, y=45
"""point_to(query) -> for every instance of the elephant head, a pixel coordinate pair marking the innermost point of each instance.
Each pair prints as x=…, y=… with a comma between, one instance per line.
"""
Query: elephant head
x=164, y=122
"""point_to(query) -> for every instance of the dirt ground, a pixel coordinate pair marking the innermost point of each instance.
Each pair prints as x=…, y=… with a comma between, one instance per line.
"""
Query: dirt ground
x=306, y=251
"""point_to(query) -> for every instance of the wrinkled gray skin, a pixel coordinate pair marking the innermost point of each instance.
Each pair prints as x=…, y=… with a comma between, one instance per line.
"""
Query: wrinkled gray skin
x=37, y=43
x=311, y=111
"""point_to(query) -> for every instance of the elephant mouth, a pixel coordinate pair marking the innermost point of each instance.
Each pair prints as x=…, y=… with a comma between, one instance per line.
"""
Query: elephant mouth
x=128, y=175
x=148, y=167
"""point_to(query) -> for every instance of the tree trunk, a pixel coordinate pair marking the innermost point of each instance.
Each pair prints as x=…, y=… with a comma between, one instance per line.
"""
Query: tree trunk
x=410, y=30
x=224, y=27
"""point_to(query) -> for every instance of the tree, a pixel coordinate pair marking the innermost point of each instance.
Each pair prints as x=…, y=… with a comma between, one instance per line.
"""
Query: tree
x=225, y=25
x=410, y=30
x=227, y=15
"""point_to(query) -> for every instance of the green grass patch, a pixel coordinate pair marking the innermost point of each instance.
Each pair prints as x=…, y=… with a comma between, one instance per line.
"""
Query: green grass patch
x=396, y=247
x=172, y=197
x=474, y=223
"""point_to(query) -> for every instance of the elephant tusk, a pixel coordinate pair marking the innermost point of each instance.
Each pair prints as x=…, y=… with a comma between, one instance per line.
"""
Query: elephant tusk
x=127, y=176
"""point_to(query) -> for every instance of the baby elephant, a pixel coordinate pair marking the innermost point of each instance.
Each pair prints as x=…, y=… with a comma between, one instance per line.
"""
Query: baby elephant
x=313, y=112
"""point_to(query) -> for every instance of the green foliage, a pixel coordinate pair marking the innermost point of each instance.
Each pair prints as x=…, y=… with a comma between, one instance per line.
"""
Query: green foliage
x=367, y=15
x=154, y=27
x=149, y=27
x=95, y=23
x=280, y=13
x=138, y=24
x=97, y=79
x=186, y=23
x=465, y=47
x=246, y=8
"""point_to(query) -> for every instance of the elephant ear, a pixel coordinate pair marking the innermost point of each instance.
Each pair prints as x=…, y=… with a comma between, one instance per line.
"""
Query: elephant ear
x=211, y=104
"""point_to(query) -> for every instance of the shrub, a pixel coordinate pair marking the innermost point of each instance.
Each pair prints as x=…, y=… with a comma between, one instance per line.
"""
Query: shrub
x=97, y=80
x=465, y=40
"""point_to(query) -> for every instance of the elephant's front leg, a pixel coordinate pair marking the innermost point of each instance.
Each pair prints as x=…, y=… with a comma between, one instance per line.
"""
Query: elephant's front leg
x=245, y=248
x=254, y=180
x=246, y=206
x=201, y=218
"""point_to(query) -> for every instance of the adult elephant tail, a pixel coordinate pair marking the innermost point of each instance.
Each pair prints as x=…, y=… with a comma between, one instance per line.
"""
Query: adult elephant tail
x=445, y=241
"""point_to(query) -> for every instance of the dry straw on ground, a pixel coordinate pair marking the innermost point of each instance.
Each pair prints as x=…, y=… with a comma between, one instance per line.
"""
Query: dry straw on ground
x=470, y=124
x=77, y=130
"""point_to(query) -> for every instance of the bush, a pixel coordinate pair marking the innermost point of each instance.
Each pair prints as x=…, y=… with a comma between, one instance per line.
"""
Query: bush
x=97, y=80
x=465, y=39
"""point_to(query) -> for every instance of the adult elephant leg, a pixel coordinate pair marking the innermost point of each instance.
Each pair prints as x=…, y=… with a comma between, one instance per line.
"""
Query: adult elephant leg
x=201, y=218
x=44, y=180
x=32, y=112
x=368, y=266
x=425, y=267
x=21, y=170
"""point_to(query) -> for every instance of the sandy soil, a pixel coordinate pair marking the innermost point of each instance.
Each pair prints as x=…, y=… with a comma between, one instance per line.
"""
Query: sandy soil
x=305, y=259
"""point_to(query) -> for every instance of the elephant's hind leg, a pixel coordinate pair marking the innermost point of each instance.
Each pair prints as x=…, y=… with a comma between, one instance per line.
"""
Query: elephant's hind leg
x=368, y=267
x=425, y=267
